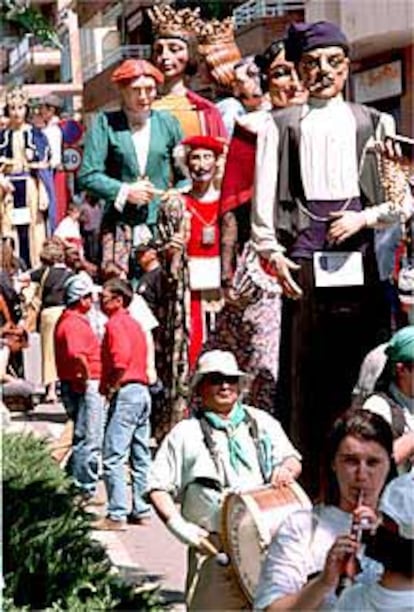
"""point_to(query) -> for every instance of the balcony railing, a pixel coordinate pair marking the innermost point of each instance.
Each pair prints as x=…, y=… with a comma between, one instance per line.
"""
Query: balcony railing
x=252, y=10
x=91, y=68
x=29, y=53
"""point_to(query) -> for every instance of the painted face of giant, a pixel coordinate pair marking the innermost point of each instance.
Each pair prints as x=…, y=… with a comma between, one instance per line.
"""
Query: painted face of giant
x=17, y=114
x=324, y=71
x=285, y=88
x=202, y=164
x=246, y=83
x=139, y=94
x=171, y=56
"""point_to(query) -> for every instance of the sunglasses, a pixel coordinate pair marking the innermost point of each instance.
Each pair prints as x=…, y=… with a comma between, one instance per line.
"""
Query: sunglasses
x=216, y=378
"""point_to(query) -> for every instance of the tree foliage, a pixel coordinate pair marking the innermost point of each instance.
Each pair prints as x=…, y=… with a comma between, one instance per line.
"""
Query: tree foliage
x=51, y=562
x=210, y=9
x=29, y=20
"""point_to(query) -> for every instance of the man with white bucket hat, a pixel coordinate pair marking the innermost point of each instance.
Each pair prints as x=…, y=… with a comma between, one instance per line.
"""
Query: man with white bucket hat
x=225, y=446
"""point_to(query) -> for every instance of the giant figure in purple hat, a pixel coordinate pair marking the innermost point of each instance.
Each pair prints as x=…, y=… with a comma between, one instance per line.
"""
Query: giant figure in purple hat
x=317, y=198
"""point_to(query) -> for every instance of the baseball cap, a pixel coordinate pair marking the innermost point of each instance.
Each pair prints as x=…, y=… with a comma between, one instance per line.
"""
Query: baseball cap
x=77, y=286
x=401, y=346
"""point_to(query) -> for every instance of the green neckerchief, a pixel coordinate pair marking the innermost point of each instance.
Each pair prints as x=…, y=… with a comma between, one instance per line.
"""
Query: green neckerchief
x=236, y=452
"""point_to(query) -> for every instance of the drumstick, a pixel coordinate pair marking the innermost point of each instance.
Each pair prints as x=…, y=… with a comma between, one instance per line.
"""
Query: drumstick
x=220, y=557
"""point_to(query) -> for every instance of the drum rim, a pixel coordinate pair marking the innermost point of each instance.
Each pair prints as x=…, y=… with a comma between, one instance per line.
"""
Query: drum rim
x=297, y=490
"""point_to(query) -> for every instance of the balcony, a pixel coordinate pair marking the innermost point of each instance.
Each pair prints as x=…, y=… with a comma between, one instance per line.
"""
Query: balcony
x=30, y=56
x=92, y=67
x=371, y=27
x=253, y=10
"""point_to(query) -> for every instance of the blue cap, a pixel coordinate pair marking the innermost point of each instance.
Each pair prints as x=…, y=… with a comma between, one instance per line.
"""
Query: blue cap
x=77, y=286
x=303, y=37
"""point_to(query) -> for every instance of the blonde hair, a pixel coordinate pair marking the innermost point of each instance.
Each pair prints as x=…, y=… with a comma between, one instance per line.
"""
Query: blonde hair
x=53, y=251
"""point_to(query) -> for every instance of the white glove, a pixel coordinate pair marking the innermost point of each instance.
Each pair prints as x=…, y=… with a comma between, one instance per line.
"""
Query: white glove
x=188, y=533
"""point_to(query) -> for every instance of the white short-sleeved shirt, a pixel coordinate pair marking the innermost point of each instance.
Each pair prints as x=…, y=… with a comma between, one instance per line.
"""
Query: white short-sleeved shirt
x=299, y=550
x=379, y=405
x=183, y=459
x=375, y=598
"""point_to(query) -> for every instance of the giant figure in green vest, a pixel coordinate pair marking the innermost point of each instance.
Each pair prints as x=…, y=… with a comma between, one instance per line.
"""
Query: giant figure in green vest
x=128, y=160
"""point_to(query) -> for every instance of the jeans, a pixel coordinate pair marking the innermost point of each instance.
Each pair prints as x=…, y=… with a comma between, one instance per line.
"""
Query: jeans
x=127, y=435
x=87, y=412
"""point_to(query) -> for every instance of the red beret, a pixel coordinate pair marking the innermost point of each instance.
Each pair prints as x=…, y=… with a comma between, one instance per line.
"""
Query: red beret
x=205, y=142
x=131, y=69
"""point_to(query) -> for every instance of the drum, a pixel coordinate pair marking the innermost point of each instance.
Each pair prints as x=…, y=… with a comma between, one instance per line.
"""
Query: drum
x=250, y=520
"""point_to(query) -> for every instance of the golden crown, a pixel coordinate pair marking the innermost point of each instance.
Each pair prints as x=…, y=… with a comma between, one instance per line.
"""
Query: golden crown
x=216, y=32
x=168, y=22
x=17, y=96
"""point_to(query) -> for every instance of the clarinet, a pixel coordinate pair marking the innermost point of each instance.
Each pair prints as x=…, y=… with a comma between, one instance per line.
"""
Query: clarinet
x=347, y=577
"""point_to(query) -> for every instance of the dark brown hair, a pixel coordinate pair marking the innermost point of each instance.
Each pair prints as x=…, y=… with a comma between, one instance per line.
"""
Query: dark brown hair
x=361, y=424
x=120, y=287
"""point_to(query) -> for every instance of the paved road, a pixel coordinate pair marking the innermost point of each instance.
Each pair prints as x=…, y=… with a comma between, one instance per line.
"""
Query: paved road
x=150, y=553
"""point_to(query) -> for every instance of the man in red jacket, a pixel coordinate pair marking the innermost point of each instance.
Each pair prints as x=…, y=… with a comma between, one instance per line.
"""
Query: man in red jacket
x=124, y=382
x=78, y=362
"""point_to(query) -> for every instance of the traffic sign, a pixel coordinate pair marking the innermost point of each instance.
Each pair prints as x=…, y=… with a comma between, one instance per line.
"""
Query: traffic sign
x=72, y=158
x=72, y=131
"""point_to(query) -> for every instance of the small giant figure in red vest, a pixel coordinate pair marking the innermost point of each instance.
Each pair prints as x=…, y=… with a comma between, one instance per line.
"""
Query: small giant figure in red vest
x=189, y=229
x=200, y=160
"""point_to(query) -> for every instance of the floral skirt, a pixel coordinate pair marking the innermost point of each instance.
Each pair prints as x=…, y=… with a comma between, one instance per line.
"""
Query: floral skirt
x=250, y=327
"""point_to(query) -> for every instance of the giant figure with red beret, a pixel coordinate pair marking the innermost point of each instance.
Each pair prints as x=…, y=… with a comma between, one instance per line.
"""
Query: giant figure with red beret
x=191, y=227
x=128, y=159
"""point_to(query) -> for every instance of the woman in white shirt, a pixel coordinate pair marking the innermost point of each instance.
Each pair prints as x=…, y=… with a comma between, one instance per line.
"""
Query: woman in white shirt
x=307, y=555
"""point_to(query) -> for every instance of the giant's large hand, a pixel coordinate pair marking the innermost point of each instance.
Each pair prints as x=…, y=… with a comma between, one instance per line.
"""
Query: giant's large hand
x=282, y=266
x=345, y=224
x=141, y=192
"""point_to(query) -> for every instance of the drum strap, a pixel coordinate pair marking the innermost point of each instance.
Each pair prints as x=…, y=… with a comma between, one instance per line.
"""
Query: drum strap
x=212, y=446
x=206, y=430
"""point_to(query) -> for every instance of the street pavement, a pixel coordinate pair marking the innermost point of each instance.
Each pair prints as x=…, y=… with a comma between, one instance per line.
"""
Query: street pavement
x=143, y=554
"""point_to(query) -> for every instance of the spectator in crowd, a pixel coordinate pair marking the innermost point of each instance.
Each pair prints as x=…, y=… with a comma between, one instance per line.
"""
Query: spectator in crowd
x=127, y=160
x=394, y=395
x=307, y=554
x=68, y=230
x=392, y=546
x=78, y=361
x=90, y=221
x=140, y=312
x=305, y=213
x=50, y=110
x=154, y=288
x=26, y=185
x=205, y=457
x=174, y=52
x=124, y=383
x=14, y=389
x=10, y=267
x=51, y=276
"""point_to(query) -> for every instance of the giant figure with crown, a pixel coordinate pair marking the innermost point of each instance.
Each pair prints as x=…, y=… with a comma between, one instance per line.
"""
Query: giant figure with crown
x=178, y=35
x=25, y=179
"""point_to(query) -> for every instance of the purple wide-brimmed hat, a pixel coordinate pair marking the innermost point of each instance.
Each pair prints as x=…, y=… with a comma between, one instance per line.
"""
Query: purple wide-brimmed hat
x=303, y=37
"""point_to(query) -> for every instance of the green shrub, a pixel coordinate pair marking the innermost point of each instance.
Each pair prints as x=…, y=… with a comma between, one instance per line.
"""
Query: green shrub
x=50, y=561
